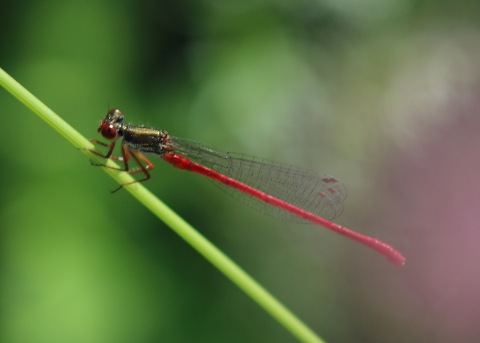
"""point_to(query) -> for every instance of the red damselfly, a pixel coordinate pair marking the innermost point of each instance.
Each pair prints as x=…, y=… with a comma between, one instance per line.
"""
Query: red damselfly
x=277, y=189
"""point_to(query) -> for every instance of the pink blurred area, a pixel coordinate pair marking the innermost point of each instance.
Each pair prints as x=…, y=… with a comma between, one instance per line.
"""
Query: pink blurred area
x=433, y=203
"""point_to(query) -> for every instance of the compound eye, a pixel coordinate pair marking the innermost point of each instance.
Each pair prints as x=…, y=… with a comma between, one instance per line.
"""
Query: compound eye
x=108, y=131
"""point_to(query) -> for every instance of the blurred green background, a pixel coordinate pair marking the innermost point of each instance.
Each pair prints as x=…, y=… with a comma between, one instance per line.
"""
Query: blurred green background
x=382, y=94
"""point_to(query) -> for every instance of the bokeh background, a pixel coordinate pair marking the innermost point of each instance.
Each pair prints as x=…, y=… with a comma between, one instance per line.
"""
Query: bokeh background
x=382, y=94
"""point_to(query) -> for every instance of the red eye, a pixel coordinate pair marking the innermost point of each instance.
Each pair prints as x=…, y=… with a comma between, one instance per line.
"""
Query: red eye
x=108, y=131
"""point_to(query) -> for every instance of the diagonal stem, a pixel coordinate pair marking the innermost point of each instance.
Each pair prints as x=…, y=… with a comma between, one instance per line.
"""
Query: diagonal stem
x=164, y=213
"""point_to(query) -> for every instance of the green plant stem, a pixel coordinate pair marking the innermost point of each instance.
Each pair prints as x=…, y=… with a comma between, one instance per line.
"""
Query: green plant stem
x=176, y=223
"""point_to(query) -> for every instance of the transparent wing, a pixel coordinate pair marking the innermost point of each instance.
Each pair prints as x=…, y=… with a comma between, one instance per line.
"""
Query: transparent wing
x=320, y=194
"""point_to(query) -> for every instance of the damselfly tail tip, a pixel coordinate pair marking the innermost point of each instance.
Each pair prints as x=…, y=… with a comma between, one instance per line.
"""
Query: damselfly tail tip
x=397, y=259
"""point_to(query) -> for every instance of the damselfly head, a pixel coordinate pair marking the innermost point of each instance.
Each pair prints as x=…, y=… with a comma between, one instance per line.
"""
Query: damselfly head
x=109, y=125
